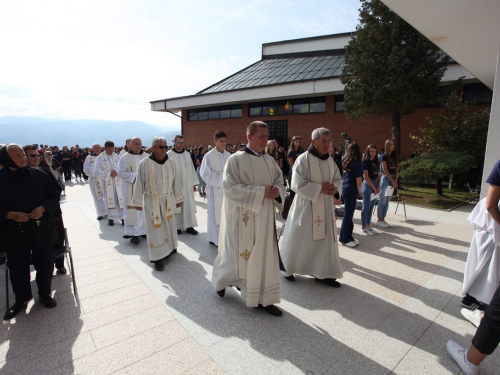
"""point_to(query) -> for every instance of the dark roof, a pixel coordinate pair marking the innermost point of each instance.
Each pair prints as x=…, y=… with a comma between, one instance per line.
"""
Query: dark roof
x=286, y=68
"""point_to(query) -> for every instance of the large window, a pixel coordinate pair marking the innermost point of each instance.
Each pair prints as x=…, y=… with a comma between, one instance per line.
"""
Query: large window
x=339, y=103
x=477, y=93
x=225, y=111
x=288, y=107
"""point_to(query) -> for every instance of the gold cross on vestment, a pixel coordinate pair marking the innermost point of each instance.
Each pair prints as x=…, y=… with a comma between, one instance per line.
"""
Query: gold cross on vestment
x=245, y=255
x=37, y=222
x=318, y=221
x=169, y=209
x=157, y=218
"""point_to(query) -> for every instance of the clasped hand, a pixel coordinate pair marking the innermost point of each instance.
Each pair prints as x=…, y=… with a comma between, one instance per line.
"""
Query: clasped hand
x=328, y=188
x=21, y=217
x=272, y=192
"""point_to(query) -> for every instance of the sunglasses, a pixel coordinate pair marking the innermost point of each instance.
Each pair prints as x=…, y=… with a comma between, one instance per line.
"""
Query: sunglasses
x=161, y=147
x=33, y=156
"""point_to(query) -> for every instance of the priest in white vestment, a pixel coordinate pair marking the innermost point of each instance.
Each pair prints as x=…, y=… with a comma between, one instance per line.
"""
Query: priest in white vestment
x=212, y=168
x=96, y=184
x=127, y=172
x=185, y=216
x=310, y=245
x=248, y=257
x=482, y=270
x=157, y=192
x=107, y=170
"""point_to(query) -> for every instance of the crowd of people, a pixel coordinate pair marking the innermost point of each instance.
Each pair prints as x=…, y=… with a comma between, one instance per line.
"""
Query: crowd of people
x=151, y=191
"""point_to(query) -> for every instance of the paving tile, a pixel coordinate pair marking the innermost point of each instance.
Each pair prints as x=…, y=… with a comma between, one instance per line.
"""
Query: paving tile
x=98, y=268
x=113, y=297
x=205, y=368
x=81, y=263
x=63, y=282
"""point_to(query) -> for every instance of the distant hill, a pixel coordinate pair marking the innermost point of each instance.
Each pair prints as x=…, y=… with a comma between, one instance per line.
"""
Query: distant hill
x=28, y=130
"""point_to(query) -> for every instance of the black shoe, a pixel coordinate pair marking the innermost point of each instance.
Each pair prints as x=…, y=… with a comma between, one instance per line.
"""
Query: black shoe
x=134, y=240
x=123, y=222
x=15, y=309
x=111, y=222
x=192, y=231
x=179, y=231
x=330, y=282
x=48, y=301
x=61, y=271
x=222, y=292
x=159, y=266
x=290, y=278
x=472, y=303
x=127, y=236
x=211, y=243
x=271, y=309
x=2, y=260
x=100, y=217
x=143, y=236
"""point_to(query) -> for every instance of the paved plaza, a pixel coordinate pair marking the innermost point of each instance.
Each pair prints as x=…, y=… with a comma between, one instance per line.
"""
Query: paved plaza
x=397, y=307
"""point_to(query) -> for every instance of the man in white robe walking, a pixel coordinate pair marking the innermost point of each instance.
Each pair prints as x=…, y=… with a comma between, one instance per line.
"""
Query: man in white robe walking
x=248, y=256
x=310, y=245
x=185, y=216
x=211, y=171
x=127, y=172
x=157, y=192
x=96, y=184
x=107, y=170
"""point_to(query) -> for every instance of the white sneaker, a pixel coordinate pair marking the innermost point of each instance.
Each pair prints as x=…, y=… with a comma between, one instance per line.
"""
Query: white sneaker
x=382, y=224
x=372, y=230
x=349, y=244
x=458, y=354
x=356, y=242
x=473, y=316
x=366, y=232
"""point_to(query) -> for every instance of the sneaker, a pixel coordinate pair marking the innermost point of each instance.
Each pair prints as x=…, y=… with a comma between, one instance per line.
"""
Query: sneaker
x=366, y=232
x=373, y=231
x=382, y=224
x=471, y=303
x=458, y=354
x=473, y=316
x=349, y=244
x=356, y=242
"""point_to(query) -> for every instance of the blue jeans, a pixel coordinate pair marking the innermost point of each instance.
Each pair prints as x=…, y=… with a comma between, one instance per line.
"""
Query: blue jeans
x=366, y=212
x=383, y=204
x=202, y=186
x=349, y=195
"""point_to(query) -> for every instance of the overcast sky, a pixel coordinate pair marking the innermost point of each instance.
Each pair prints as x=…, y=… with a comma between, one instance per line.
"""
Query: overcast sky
x=106, y=59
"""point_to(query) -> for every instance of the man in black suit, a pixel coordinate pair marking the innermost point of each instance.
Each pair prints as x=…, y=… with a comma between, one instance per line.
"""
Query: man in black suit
x=28, y=201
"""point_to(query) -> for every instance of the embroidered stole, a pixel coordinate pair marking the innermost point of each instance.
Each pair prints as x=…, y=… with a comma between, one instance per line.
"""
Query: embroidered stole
x=182, y=161
x=110, y=192
x=246, y=235
x=154, y=192
x=97, y=184
x=318, y=207
x=131, y=166
x=218, y=192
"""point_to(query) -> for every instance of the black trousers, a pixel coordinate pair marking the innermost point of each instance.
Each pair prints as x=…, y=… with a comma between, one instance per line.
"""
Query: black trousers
x=19, y=267
x=487, y=336
x=66, y=167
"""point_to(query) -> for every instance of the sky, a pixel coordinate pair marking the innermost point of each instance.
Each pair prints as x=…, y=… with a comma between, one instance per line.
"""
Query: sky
x=107, y=59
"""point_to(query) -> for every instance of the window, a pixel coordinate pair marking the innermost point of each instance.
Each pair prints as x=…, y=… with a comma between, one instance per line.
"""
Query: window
x=300, y=106
x=269, y=109
x=228, y=111
x=255, y=109
x=339, y=103
x=317, y=105
x=288, y=107
x=477, y=93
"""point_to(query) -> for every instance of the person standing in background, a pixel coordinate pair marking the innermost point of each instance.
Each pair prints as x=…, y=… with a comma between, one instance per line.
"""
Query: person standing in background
x=371, y=185
x=293, y=153
x=389, y=162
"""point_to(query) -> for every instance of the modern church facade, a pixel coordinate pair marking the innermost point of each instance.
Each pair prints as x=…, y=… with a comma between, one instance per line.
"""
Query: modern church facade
x=295, y=88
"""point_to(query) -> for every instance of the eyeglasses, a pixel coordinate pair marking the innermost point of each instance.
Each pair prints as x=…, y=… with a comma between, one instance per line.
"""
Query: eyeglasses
x=33, y=156
x=180, y=143
x=161, y=147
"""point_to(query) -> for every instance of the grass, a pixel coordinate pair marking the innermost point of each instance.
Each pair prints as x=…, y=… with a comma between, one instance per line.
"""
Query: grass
x=426, y=196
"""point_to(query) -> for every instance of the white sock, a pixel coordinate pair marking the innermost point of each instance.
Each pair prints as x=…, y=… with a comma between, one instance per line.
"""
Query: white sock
x=466, y=360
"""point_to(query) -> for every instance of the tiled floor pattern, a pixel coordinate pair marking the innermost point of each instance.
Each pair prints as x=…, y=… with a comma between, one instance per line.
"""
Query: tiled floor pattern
x=399, y=303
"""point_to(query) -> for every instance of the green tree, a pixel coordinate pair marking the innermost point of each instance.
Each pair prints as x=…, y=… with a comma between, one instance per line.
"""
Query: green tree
x=390, y=68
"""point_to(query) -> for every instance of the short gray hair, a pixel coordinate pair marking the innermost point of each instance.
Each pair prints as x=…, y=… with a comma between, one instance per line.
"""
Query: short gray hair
x=252, y=128
x=157, y=139
x=317, y=133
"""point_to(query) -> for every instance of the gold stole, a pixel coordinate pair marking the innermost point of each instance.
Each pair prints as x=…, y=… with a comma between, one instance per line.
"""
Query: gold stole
x=131, y=167
x=109, y=183
x=218, y=192
x=246, y=235
x=154, y=193
x=180, y=166
x=97, y=184
x=318, y=207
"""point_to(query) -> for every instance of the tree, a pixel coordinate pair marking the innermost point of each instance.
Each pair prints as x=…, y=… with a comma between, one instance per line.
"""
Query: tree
x=389, y=68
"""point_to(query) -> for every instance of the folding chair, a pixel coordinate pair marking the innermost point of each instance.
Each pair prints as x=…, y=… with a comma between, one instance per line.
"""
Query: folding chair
x=63, y=251
x=399, y=200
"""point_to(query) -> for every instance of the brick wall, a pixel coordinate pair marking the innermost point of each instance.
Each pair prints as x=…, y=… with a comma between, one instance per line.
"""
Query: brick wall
x=376, y=129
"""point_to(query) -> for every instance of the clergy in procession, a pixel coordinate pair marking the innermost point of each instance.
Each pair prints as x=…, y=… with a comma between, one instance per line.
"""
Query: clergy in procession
x=126, y=148
x=127, y=172
x=157, y=192
x=185, y=216
x=211, y=171
x=107, y=170
x=310, y=245
x=96, y=188
x=248, y=256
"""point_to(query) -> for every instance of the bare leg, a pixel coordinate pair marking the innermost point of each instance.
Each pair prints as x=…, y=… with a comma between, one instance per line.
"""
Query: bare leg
x=474, y=356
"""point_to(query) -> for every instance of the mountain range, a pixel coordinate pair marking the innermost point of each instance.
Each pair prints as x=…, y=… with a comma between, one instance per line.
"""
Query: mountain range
x=29, y=130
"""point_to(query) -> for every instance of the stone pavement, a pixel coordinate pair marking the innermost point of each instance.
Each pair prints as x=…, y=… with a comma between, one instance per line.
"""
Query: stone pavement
x=399, y=303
